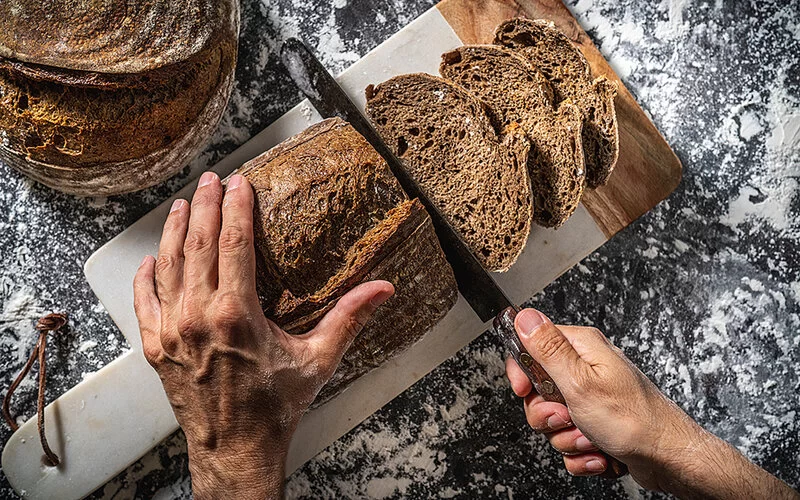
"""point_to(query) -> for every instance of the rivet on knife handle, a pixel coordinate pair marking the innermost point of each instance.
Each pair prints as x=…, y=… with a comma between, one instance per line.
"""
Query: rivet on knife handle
x=544, y=385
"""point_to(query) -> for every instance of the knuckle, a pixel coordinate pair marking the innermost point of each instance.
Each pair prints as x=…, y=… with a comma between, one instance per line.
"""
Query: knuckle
x=152, y=354
x=189, y=327
x=354, y=324
x=572, y=469
x=207, y=195
x=234, y=238
x=197, y=241
x=229, y=312
x=535, y=420
x=550, y=344
x=170, y=343
x=165, y=263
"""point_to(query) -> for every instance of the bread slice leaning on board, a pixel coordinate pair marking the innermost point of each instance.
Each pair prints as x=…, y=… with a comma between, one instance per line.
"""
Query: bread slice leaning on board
x=478, y=180
x=328, y=216
x=517, y=93
x=569, y=73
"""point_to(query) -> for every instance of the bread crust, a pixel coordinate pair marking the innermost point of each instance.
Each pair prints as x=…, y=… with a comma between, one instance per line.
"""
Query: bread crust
x=128, y=37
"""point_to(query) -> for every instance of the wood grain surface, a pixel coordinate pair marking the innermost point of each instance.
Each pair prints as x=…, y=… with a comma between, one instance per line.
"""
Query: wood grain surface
x=647, y=171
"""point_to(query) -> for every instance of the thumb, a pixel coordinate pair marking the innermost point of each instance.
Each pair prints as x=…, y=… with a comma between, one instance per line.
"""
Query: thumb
x=548, y=346
x=337, y=329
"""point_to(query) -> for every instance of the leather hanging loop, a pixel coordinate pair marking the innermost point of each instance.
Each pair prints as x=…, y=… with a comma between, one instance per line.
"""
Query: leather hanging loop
x=49, y=323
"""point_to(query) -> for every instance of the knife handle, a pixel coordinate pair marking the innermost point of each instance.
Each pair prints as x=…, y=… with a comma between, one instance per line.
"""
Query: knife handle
x=541, y=380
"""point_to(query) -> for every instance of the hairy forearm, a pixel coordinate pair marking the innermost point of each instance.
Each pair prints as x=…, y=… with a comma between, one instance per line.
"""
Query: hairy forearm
x=705, y=466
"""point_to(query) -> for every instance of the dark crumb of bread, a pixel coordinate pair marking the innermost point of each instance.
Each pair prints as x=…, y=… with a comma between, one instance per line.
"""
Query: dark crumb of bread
x=565, y=67
x=519, y=95
x=447, y=142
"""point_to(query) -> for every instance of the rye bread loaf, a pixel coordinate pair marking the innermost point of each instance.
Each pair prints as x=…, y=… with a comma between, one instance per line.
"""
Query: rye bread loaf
x=330, y=215
x=570, y=75
x=517, y=93
x=478, y=180
x=110, y=99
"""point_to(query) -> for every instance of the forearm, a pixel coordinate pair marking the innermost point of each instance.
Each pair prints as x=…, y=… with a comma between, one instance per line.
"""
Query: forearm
x=244, y=476
x=705, y=466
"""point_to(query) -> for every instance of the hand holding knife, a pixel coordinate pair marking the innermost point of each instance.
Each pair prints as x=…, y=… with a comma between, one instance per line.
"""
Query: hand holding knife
x=476, y=285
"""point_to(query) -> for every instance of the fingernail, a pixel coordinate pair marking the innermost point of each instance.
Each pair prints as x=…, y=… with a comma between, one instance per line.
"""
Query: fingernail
x=528, y=320
x=144, y=261
x=176, y=205
x=595, y=466
x=555, y=422
x=206, y=179
x=235, y=182
x=583, y=444
x=380, y=298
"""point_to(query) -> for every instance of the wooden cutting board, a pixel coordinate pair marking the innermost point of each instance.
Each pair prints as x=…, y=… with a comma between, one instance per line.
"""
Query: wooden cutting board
x=108, y=421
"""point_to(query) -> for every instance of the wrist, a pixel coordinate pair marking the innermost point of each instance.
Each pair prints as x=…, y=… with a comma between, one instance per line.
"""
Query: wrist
x=241, y=473
x=667, y=448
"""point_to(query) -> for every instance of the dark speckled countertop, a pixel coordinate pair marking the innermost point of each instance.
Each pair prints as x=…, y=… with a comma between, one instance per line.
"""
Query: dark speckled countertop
x=703, y=292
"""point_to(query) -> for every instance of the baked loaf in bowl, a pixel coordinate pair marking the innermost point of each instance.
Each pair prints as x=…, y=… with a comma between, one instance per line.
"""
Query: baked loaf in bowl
x=330, y=215
x=101, y=100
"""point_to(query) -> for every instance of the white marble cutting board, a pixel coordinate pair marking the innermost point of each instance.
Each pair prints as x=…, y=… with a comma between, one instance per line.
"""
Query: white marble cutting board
x=115, y=416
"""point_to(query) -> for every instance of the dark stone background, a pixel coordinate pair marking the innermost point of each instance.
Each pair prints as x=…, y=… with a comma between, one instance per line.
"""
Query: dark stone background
x=702, y=293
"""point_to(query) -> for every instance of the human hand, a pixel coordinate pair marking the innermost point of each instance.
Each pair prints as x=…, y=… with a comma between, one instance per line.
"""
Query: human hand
x=614, y=407
x=238, y=383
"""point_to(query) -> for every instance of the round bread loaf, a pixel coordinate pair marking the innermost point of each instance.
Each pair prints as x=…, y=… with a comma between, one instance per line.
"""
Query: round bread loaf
x=102, y=99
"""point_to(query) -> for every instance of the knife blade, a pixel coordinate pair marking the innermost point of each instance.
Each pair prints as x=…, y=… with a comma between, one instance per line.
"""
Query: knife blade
x=476, y=285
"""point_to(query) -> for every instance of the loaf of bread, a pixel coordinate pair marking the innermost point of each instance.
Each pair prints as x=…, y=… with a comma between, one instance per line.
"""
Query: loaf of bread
x=445, y=139
x=552, y=53
x=330, y=215
x=110, y=99
x=517, y=93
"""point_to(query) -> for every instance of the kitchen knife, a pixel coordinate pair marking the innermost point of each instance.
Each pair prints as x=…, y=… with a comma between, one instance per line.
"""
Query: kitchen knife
x=476, y=285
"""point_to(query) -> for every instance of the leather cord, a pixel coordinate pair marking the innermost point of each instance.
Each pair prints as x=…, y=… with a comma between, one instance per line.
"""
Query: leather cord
x=50, y=323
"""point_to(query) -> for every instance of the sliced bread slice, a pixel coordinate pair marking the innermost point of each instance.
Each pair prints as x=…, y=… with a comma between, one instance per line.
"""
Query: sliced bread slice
x=566, y=68
x=517, y=92
x=445, y=138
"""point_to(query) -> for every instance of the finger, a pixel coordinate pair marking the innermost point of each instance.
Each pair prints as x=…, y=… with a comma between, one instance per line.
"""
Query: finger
x=545, y=342
x=202, y=238
x=328, y=341
x=148, y=308
x=546, y=416
x=237, y=257
x=571, y=441
x=586, y=464
x=169, y=265
x=520, y=383
x=591, y=345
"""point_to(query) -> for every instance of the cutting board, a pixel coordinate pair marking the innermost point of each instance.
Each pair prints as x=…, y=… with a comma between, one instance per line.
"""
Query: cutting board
x=115, y=416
